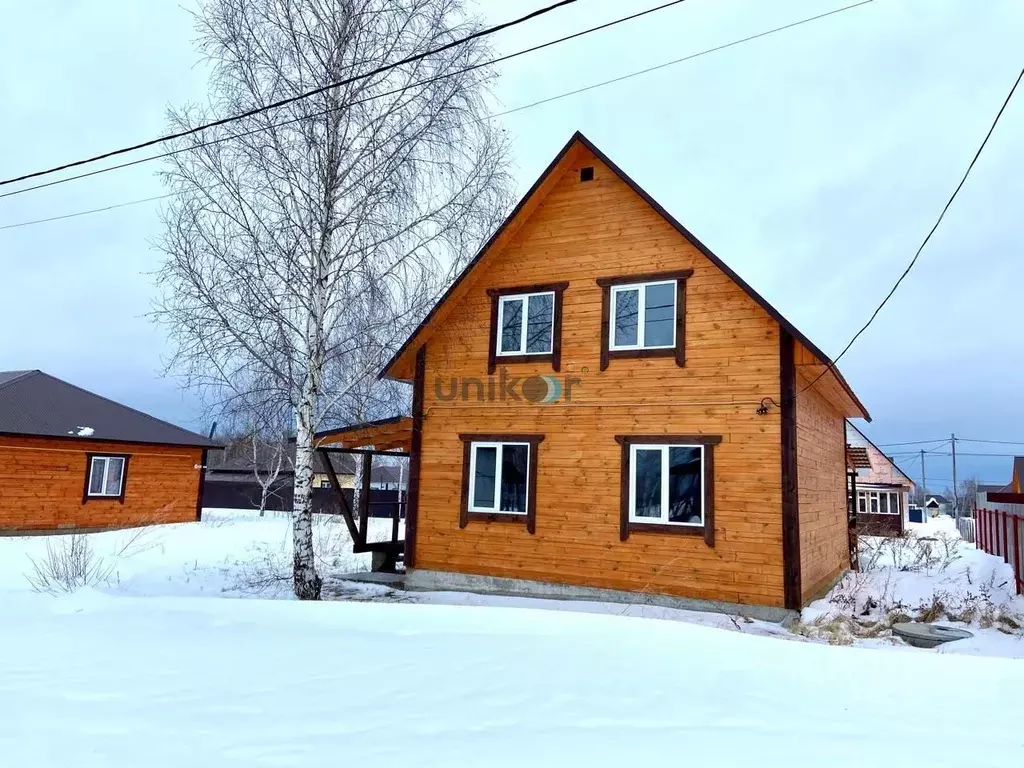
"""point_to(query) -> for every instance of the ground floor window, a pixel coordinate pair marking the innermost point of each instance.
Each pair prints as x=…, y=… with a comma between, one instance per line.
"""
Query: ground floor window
x=499, y=478
x=105, y=477
x=880, y=502
x=668, y=484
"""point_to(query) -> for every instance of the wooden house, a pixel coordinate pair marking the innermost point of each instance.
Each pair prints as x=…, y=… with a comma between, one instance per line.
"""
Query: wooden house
x=878, y=488
x=70, y=459
x=603, y=408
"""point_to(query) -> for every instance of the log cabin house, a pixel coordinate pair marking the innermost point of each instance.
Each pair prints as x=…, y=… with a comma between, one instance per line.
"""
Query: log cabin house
x=70, y=459
x=602, y=407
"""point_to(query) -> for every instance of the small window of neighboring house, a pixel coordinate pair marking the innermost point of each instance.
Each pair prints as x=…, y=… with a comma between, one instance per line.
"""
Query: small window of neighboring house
x=668, y=486
x=644, y=316
x=325, y=482
x=526, y=325
x=499, y=479
x=106, y=477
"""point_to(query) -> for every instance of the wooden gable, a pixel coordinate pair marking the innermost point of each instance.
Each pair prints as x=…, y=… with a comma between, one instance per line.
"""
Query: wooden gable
x=579, y=151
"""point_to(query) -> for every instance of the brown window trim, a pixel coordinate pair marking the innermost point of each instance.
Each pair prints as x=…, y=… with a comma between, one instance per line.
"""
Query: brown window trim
x=530, y=516
x=679, y=350
x=708, y=529
x=88, y=471
x=555, y=356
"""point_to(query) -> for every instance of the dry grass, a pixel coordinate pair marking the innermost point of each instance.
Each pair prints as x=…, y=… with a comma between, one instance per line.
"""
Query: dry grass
x=68, y=565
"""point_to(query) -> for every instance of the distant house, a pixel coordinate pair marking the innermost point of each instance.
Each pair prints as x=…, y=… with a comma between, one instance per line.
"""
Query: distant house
x=938, y=505
x=231, y=478
x=73, y=459
x=881, y=489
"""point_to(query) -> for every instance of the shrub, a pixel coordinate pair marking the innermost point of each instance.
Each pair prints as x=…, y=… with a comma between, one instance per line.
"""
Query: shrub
x=68, y=565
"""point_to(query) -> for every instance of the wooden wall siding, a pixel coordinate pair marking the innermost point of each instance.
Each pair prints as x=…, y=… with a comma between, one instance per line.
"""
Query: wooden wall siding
x=41, y=484
x=828, y=386
x=821, y=462
x=580, y=232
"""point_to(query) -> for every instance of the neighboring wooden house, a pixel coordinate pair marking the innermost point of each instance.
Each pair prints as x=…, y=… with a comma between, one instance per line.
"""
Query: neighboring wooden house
x=602, y=407
x=72, y=459
x=882, y=490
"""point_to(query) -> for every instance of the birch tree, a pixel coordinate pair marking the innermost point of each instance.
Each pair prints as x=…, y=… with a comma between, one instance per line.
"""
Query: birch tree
x=303, y=243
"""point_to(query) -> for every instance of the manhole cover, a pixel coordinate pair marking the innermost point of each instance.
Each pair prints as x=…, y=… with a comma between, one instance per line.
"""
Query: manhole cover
x=929, y=635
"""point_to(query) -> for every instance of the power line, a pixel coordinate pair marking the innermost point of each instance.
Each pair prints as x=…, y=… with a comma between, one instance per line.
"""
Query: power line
x=298, y=97
x=84, y=213
x=994, y=442
x=499, y=114
x=684, y=58
x=312, y=115
x=928, y=237
x=914, y=442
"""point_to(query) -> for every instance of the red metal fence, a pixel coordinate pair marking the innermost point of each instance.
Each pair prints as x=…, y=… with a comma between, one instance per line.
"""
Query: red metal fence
x=999, y=533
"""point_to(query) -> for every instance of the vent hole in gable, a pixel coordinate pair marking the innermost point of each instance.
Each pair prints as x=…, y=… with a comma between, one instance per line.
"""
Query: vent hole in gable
x=587, y=173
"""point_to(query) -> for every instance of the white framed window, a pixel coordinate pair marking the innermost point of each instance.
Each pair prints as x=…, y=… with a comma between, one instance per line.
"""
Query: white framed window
x=526, y=324
x=643, y=316
x=106, y=476
x=499, y=477
x=666, y=484
x=879, y=502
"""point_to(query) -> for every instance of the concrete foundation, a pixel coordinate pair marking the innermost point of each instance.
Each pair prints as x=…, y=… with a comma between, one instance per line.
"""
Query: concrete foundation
x=447, y=581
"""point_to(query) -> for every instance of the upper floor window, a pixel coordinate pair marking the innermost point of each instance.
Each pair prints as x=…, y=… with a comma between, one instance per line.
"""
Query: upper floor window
x=644, y=316
x=526, y=325
x=106, y=477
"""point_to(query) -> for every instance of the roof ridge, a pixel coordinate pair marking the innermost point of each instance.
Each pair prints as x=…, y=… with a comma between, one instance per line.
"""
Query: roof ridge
x=120, y=405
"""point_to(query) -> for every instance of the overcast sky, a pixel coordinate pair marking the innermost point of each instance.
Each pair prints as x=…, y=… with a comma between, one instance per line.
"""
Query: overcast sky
x=813, y=161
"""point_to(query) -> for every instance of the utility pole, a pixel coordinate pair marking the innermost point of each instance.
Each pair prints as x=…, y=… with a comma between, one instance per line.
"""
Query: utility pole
x=924, y=488
x=956, y=503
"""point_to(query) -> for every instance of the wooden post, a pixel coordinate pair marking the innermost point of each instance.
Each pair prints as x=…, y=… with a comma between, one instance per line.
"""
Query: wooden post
x=364, y=499
x=1017, y=571
x=346, y=511
x=1006, y=537
x=396, y=514
x=979, y=524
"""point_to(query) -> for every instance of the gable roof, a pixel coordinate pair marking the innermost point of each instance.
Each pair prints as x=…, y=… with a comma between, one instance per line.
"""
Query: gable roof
x=37, y=404
x=512, y=222
x=937, y=498
x=892, y=463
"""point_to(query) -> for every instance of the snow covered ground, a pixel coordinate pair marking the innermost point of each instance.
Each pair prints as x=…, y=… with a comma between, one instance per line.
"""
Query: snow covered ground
x=148, y=670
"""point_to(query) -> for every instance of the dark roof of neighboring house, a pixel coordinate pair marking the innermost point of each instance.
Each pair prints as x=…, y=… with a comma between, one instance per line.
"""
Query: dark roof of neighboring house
x=236, y=463
x=939, y=499
x=36, y=404
x=992, y=488
x=238, y=459
x=1018, y=468
x=578, y=137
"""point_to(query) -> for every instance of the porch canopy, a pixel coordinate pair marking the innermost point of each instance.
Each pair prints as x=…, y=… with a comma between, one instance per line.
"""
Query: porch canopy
x=393, y=434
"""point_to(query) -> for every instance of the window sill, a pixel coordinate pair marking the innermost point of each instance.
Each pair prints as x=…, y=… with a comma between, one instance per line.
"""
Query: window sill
x=678, y=530
x=88, y=498
x=496, y=517
x=535, y=357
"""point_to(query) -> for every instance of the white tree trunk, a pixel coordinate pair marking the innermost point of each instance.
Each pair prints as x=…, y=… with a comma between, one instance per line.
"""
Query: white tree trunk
x=305, y=580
